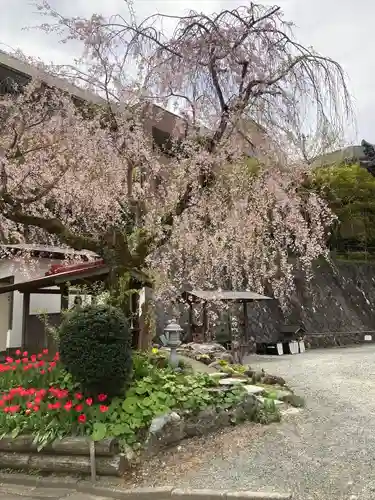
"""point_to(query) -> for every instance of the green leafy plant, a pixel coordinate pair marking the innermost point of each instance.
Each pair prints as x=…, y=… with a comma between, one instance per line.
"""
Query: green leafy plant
x=95, y=347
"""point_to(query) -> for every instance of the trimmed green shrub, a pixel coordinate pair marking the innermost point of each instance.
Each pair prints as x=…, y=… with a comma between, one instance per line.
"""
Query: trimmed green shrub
x=95, y=347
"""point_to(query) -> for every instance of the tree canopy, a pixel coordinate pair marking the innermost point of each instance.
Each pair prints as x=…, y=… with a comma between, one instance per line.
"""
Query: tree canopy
x=350, y=193
x=201, y=217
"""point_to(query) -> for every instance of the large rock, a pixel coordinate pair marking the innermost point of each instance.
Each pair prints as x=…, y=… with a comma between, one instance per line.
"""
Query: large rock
x=206, y=353
x=164, y=431
x=273, y=380
x=201, y=424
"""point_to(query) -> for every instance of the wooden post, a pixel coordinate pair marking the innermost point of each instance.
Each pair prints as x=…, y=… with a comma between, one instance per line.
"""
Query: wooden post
x=246, y=323
x=64, y=290
x=205, y=322
x=92, y=461
x=190, y=323
x=25, y=317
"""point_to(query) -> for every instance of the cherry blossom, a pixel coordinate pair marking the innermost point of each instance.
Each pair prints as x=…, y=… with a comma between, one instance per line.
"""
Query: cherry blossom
x=226, y=207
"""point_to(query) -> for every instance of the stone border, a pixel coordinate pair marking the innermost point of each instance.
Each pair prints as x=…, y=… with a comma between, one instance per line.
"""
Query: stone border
x=156, y=493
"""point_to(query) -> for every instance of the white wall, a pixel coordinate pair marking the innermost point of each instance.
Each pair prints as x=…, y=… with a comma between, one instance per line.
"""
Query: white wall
x=38, y=302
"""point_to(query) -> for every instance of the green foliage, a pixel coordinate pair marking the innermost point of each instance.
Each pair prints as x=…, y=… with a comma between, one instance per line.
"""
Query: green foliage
x=95, y=347
x=268, y=413
x=350, y=192
x=159, y=392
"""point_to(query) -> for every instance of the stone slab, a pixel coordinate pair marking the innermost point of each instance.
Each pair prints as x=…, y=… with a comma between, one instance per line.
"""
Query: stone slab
x=218, y=375
x=253, y=389
x=261, y=399
x=232, y=381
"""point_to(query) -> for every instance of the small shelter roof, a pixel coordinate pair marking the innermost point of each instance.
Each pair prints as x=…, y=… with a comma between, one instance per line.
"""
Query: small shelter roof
x=223, y=295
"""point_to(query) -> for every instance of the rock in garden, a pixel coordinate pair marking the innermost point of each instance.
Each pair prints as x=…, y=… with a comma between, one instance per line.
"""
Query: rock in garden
x=257, y=377
x=250, y=405
x=226, y=356
x=201, y=424
x=282, y=394
x=253, y=389
x=249, y=372
x=273, y=380
x=218, y=375
x=209, y=351
x=232, y=381
x=165, y=430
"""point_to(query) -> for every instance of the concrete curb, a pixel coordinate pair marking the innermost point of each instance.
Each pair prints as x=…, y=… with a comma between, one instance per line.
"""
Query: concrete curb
x=115, y=492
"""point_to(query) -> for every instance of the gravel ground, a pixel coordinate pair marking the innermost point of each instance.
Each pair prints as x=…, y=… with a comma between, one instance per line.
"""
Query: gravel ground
x=325, y=451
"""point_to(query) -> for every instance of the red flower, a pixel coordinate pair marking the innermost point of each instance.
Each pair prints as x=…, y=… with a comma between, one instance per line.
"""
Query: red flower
x=57, y=356
x=103, y=408
x=42, y=393
x=50, y=368
x=18, y=352
x=78, y=396
x=102, y=397
x=41, y=363
x=25, y=360
x=8, y=359
x=6, y=409
x=68, y=405
x=89, y=401
x=36, y=408
x=45, y=352
x=42, y=372
x=38, y=401
x=29, y=405
x=39, y=355
x=79, y=408
x=18, y=361
x=2, y=402
x=33, y=358
x=82, y=418
x=52, y=364
x=54, y=406
x=25, y=353
x=14, y=409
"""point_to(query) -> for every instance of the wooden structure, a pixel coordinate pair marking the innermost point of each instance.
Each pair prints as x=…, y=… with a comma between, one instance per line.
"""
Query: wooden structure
x=205, y=296
x=288, y=341
x=61, y=280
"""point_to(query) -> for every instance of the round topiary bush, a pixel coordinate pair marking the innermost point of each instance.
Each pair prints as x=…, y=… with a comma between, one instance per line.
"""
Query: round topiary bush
x=95, y=347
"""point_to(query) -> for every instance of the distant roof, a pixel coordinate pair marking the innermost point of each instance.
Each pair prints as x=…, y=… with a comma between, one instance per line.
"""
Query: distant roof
x=226, y=295
x=29, y=247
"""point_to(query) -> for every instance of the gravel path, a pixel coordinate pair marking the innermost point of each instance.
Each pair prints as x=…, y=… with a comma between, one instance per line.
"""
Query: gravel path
x=326, y=451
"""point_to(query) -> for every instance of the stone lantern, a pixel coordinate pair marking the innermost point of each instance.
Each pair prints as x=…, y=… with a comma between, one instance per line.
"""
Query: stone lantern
x=172, y=334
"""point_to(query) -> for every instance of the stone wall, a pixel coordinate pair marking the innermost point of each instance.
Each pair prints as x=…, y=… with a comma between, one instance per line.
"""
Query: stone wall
x=335, y=308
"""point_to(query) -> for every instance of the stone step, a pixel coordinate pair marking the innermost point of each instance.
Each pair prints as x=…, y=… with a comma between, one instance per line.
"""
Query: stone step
x=218, y=375
x=254, y=389
x=233, y=381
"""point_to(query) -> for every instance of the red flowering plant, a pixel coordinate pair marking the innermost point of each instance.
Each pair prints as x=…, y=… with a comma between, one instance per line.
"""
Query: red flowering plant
x=35, y=370
x=38, y=397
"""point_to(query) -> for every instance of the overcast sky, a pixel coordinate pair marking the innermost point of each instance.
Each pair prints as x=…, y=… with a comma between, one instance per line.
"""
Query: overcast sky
x=341, y=29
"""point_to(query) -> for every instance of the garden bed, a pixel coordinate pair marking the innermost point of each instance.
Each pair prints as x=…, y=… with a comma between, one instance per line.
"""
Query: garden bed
x=47, y=422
